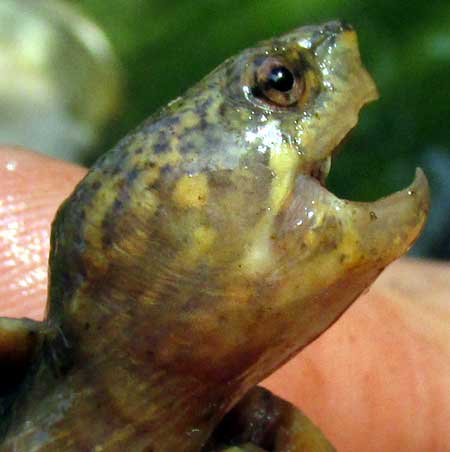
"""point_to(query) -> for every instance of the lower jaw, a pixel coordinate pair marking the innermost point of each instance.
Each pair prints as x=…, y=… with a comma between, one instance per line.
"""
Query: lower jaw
x=382, y=230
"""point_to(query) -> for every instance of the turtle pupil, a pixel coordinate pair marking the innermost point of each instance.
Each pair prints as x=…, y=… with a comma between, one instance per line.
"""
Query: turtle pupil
x=281, y=79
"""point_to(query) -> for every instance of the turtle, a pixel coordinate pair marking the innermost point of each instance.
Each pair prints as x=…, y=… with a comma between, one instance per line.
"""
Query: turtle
x=200, y=254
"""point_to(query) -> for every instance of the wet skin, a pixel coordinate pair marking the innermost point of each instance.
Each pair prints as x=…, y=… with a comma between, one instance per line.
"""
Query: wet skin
x=204, y=251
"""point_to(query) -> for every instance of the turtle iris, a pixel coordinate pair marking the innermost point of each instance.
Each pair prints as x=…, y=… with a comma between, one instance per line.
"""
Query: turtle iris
x=276, y=82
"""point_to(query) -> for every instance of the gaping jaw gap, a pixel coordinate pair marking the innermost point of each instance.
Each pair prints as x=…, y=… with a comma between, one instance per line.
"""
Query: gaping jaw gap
x=321, y=169
x=416, y=193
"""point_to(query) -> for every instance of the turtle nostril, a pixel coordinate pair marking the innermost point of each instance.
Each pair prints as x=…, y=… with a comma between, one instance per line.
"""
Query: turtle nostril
x=346, y=26
x=338, y=26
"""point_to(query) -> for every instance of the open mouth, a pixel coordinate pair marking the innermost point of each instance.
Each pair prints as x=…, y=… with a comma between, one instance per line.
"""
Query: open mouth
x=321, y=169
x=379, y=231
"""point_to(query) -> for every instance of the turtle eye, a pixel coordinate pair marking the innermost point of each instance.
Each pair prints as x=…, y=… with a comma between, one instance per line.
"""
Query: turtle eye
x=281, y=79
x=277, y=83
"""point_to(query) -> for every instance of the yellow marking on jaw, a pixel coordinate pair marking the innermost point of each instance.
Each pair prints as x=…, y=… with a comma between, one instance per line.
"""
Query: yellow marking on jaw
x=191, y=191
x=283, y=163
x=329, y=261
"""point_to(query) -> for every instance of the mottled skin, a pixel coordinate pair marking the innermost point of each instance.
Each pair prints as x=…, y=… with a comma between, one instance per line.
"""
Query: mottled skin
x=199, y=255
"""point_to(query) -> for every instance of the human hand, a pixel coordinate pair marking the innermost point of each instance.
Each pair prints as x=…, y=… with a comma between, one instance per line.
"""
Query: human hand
x=378, y=380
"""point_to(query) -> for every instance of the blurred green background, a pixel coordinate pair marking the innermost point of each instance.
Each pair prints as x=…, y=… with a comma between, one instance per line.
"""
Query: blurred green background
x=159, y=48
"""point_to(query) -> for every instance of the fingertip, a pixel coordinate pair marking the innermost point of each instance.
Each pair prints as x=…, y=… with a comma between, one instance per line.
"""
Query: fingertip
x=31, y=189
x=24, y=168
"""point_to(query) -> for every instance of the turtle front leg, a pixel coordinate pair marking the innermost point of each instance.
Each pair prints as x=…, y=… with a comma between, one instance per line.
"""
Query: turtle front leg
x=262, y=422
